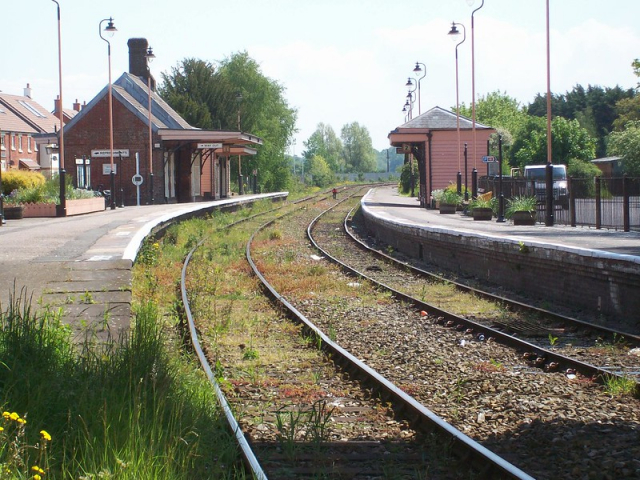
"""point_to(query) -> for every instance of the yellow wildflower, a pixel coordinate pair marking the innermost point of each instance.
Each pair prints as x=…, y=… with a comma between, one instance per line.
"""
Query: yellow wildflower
x=14, y=416
x=37, y=469
x=21, y=421
x=45, y=435
x=1, y=429
x=6, y=415
x=37, y=477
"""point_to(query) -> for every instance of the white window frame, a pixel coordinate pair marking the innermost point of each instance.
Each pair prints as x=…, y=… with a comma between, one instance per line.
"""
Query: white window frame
x=13, y=141
x=29, y=142
x=20, y=142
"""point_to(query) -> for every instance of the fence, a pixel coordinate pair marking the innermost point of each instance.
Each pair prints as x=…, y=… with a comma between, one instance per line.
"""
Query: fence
x=600, y=202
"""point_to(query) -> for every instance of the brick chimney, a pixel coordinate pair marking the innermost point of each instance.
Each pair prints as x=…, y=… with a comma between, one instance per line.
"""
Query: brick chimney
x=27, y=91
x=138, y=61
x=76, y=105
x=56, y=105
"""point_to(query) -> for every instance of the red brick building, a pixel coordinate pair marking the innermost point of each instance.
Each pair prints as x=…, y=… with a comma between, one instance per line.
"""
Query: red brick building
x=432, y=138
x=174, y=163
x=22, y=122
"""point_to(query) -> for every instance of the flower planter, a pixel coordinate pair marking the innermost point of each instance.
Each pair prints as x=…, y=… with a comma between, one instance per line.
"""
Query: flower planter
x=85, y=205
x=13, y=212
x=32, y=210
x=482, y=213
x=447, y=208
x=524, y=218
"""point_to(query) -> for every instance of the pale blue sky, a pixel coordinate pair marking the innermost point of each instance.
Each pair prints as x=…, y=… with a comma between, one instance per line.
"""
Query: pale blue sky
x=339, y=60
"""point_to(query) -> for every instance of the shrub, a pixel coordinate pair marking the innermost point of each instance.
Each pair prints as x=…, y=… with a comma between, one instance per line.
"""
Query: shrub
x=520, y=204
x=20, y=179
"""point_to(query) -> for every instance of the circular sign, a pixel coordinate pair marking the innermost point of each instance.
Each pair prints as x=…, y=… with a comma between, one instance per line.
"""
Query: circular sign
x=137, y=180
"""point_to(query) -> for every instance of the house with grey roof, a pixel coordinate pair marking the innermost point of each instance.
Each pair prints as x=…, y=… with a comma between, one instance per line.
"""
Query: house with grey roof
x=443, y=144
x=150, y=154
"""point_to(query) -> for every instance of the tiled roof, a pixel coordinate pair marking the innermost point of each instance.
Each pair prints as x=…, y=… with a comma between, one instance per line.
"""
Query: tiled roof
x=11, y=122
x=133, y=93
x=30, y=112
x=440, y=119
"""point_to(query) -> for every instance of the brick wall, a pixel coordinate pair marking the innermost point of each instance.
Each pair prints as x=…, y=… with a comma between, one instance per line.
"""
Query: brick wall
x=603, y=284
x=92, y=132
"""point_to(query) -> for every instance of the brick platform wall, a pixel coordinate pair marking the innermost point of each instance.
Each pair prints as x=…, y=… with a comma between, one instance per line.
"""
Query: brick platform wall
x=604, y=284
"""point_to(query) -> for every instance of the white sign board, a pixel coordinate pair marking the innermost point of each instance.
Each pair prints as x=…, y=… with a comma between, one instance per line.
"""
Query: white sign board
x=204, y=146
x=122, y=152
x=137, y=180
x=489, y=159
x=106, y=168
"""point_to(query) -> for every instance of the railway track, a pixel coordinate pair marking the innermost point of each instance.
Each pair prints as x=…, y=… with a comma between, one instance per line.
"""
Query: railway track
x=558, y=405
x=333, y=426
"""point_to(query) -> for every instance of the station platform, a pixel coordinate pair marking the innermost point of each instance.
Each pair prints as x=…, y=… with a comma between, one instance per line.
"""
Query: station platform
x=81, y=265
x=387, y=203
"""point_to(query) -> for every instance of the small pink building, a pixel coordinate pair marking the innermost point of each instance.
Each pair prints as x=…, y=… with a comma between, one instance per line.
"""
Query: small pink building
x=438, y=145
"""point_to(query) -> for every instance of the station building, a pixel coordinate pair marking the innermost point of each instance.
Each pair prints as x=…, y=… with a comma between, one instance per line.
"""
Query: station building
x=157, y=156
x=432, y=139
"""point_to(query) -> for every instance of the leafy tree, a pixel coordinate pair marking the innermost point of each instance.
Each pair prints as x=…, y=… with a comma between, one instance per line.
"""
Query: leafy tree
x=502, y=112
x=628, y=109
x=358, y=151
x=626, y=144
x=321, y=174
x=395, y=160
x=208, y=98
x=325, y=143
x=594, y=108
x=569, y=140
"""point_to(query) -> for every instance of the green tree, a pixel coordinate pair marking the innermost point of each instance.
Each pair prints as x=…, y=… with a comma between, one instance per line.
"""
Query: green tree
x=626, y=144
x=502, y=112
x=320, y=172
x=628, y=109
x=235, y=96
x=325, y=142
x=569, y=140
x=357, y=152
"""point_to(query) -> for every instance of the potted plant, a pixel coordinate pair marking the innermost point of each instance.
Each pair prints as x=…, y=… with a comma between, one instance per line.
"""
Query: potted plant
x=449, y=201
x=522, y=210
x=436, y=195
x=11, y=207
x=482, y=207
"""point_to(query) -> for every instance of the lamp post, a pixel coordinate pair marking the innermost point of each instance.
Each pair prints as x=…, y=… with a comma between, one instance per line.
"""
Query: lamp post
x=411, y=87
x=454, y=32
x=62, y=208
x=549, y=170
x=417, y=71
x=473, y=81
x=240, y=179
x=150, y=56
x=110, y=30
x=466, y=181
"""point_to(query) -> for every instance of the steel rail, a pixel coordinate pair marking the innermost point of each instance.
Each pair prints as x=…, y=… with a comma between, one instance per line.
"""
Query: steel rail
x=486, y=462
x=456, y=321
x=248, y=455
x=514, y=304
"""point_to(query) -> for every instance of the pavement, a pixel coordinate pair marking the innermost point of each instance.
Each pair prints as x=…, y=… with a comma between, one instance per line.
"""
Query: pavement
x=386, y=203
x=82, y=264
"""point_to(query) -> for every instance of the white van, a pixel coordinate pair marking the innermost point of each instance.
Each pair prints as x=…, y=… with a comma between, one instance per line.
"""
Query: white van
x=537, y=174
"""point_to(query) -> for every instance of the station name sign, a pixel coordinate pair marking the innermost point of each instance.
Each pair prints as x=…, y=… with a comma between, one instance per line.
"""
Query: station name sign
x=204, y=146
x=122, y=152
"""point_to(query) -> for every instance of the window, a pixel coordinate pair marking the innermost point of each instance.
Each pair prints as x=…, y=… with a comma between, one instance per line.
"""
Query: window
x=29, y=143
x=31, y=108
x=20, y=143
x=13, y=141
x=2, y=141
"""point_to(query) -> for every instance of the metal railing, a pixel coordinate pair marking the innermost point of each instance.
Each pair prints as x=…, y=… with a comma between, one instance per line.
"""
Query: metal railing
x=600, y=202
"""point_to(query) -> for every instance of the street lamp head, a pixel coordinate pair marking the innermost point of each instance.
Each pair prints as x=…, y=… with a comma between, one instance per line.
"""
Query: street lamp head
x=417, y=69
x=150, y=56
x=409, y=83
x=238, y=97
x=454, y=32
x=110, y=29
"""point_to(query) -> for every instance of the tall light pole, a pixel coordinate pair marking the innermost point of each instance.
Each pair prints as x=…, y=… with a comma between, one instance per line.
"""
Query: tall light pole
x=473, y=82
x=240, y=179
x=549, y=220
x=454, y=32
x=110, y=30
x=62, y=209
x=417, y=71
x=150, y=56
